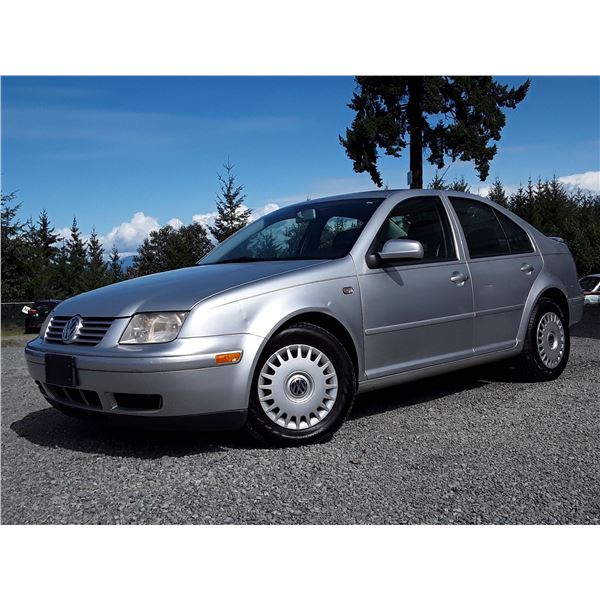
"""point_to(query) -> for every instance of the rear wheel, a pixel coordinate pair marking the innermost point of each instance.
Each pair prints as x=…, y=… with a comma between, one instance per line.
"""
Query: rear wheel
x=547, y=343
x=303, y=387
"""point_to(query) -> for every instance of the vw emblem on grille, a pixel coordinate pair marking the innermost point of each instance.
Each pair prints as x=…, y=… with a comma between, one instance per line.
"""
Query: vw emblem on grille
x=71, y=329
x=298, y=386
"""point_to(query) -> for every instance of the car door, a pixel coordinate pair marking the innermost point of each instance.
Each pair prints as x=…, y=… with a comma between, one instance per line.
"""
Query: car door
x=416, y=313
x=504, y=264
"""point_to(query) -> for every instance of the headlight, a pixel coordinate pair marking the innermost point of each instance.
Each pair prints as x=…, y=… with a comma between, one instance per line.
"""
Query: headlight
x=153, y=328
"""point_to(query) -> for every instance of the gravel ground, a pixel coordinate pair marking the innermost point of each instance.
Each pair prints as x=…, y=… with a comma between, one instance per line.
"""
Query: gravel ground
x=471, y=447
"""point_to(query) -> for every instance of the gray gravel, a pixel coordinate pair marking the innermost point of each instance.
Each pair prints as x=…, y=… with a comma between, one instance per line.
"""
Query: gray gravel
x=471, y=447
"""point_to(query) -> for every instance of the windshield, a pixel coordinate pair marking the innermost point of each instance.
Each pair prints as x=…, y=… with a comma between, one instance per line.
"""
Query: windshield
x=588, y=284
x=317, y=230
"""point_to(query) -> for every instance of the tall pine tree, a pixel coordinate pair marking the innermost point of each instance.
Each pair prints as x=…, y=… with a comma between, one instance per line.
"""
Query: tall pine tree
x=77, y=258
x=115, y=269
x=459, y=184
x=497, y=194
x=96, y=273
x=44, y=240
x=14, y=261
x=231, y=216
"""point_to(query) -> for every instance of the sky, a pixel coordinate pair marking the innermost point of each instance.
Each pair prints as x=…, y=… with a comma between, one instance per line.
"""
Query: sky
x=126, y=155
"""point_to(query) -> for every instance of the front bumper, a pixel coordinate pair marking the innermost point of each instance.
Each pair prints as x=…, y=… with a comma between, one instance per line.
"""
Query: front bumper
x=191, y=389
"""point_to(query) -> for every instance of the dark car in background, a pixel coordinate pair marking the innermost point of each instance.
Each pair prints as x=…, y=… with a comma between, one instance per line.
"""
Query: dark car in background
x=37, y=314
x=590, y=284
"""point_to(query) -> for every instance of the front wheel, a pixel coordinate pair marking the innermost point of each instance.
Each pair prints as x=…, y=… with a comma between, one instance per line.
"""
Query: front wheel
x=303, y=387
x=547, y=343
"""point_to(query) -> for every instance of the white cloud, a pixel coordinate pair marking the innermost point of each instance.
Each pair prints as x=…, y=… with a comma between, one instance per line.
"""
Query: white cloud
x=205, y=219
x=64, y=232
x=269, y=207
x=175, y=223
x=130, y=234
x=590, y=180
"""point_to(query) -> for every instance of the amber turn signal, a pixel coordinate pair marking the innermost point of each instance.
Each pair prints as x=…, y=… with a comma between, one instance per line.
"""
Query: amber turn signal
x=228, y=358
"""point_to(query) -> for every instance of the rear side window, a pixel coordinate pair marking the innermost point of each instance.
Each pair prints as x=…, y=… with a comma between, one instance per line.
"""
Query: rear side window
x=518, y=240
x=484, y=235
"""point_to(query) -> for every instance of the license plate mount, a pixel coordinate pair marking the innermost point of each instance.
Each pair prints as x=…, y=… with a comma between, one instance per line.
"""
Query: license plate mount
x=61, y=370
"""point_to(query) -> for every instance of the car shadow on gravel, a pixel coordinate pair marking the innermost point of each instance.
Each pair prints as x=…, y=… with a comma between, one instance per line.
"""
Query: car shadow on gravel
x=50, y=428
x=426, y=390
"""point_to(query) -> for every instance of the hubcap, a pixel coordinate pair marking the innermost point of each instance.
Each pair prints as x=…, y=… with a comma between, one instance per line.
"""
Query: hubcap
x=551, y=340
x=297, y=386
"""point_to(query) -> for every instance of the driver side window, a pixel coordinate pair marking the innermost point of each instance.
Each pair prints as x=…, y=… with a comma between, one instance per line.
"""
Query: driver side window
x=424, y=220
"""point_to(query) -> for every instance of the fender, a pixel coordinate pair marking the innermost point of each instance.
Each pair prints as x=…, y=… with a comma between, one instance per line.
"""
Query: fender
x=266, y=314
x=542, y=284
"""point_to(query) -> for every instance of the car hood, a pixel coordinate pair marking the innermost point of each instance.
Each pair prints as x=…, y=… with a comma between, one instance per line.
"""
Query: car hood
x=174, y=290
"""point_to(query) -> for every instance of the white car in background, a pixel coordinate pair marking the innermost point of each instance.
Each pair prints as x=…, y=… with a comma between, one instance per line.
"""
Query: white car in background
x=590, y=284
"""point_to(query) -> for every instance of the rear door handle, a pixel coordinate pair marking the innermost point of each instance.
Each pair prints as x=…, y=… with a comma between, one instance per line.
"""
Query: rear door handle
x=527, y=269
x=458, y=278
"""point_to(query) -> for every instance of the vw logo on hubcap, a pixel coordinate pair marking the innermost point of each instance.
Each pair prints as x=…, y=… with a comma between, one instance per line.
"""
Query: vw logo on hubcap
x=298, y=386
x=71, y=329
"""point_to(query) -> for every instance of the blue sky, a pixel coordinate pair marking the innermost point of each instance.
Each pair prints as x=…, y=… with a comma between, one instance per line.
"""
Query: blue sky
x=128, y=154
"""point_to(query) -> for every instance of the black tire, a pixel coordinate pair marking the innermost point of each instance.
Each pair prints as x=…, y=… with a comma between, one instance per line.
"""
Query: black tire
x=530, y=365
x=267, y=431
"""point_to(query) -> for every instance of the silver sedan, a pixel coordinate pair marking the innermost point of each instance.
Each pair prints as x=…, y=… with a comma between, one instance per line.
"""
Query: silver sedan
x=279, y=327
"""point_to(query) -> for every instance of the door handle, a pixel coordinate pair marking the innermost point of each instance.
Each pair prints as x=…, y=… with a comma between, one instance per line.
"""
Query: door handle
x=527, y=269
x=458, y=278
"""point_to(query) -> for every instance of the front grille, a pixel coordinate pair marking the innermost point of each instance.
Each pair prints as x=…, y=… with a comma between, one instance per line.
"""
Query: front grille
x=92, y=331
x=75, y=395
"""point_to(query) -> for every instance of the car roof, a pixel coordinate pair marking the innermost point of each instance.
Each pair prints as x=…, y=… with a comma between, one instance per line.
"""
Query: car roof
x=591, y=275
x=384, y=194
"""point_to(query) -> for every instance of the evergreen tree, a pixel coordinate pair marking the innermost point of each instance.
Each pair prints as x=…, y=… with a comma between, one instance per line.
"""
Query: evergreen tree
x=62, y=287
x=170, y=248
x=437, y=183
x=231, y=216
x=115, y=269
x=195, y=241
x=15, y=250
x=460, y=185
x=497, y=194
x=574, y=217
x=43, y=239
x=77, y=257
x=146, y=260
x=96, y=274
x=451, y=117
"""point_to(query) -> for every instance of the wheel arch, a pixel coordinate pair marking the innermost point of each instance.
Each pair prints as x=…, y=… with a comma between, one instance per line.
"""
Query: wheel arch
x=330, y=324
x=558, y=296
x=550, y=288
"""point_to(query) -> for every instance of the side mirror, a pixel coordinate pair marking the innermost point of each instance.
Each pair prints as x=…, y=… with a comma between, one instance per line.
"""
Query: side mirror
x=400, y=250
